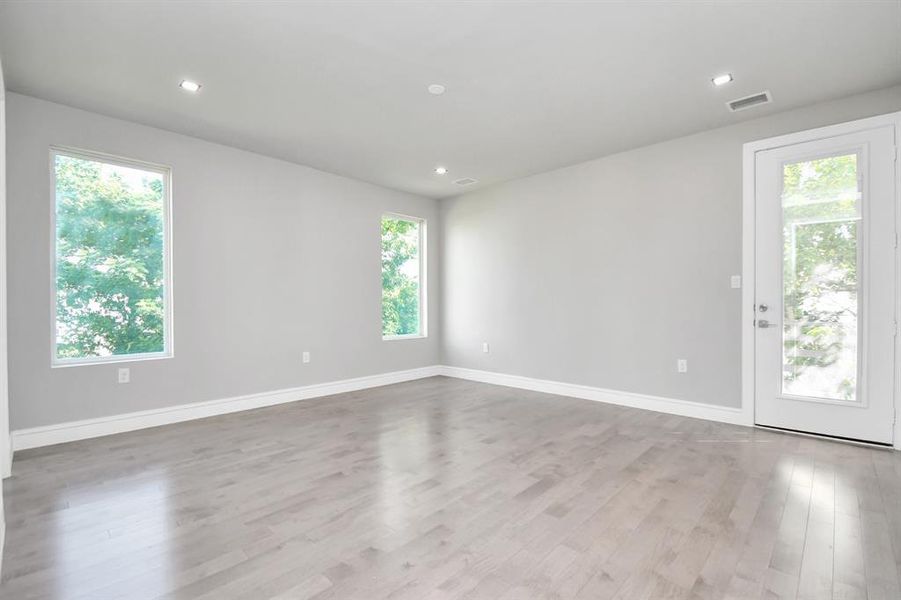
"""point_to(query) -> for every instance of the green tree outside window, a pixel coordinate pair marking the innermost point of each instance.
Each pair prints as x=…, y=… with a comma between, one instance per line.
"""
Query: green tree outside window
x=401, y=240
x=821, y=218
x=110, y=265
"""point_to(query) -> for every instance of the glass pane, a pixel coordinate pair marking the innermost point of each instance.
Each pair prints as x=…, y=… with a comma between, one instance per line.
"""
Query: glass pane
x=109, y=259
x=400, y=277
x=821, y=210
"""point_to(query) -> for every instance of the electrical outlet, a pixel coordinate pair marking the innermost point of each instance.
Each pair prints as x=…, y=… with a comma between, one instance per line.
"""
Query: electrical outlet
x=485, y=347
x=682, y=365
x=735, y=282
x=124, y=375
x=306, y=358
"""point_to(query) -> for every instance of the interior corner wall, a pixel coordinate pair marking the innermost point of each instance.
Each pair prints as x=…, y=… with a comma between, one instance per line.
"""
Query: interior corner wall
x=605, y=273
x=270, y=259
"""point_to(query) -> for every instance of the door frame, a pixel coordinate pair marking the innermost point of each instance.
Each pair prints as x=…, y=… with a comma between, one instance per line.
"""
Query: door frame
x=748, y=252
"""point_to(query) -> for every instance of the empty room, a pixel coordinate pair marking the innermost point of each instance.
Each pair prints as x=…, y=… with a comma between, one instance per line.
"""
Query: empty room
x=450, y=299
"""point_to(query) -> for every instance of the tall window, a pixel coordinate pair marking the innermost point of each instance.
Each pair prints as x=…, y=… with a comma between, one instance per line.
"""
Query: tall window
x=403, y=277
x=111, y=260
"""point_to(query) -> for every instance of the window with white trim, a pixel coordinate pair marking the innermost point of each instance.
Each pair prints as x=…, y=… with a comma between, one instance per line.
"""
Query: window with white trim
x=111, y=269
x=403, y=277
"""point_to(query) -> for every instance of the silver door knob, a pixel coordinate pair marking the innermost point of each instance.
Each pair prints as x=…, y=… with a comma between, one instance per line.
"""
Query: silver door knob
x=763, y=323
x=763, y=307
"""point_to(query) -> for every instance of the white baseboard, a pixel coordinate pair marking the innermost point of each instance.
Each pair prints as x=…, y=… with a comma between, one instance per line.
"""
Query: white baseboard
x=2, y=529
x=35, y=437
x=898, y=425
x=2, y=537
x=6, y=469
x=684, y=408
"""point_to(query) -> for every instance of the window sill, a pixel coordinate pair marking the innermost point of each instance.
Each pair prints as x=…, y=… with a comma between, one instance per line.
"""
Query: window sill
x=87, y=362
x=394, y=338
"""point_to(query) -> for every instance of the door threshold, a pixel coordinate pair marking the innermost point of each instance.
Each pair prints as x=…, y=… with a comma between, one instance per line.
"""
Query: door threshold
x=828, y=438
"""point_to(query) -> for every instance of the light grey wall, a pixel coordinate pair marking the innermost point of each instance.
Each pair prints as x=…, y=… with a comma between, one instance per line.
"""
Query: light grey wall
x=270, y=259
x=5, y=448
x=606, y=272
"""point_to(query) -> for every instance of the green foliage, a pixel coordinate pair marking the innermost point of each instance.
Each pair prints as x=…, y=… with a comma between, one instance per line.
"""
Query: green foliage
x=821, y=217
x=400, y=277
x=110, y=274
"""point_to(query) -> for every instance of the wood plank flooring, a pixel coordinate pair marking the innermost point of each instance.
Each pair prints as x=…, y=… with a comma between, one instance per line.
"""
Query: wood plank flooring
x=447, y=489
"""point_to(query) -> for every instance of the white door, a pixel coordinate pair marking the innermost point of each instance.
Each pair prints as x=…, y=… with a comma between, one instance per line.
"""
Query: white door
x=825, y=286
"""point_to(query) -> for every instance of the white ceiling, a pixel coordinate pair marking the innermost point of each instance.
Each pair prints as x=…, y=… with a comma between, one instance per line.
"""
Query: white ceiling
x=531, y=86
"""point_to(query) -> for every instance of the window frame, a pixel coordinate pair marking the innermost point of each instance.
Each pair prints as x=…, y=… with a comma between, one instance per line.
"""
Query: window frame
x=168, y=340
x=423, y=278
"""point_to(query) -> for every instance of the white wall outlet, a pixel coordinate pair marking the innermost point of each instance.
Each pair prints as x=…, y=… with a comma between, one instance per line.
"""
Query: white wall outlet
x=735, y=281
x=485, y=348
x=124, y=375
x=682, y=365
x=306, y=358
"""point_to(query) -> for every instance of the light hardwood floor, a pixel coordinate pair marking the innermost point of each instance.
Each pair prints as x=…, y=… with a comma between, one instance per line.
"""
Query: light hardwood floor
x=444, y=489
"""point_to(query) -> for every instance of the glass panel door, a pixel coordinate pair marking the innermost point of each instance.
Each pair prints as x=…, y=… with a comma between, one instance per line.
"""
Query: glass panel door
x=824, y=283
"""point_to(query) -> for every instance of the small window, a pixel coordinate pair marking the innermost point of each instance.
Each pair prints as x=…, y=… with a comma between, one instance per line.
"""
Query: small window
x=403, y=277
x=111, y=276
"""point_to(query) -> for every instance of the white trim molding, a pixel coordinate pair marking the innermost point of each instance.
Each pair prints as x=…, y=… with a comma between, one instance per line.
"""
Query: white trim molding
x=6, y=456
x=2, y=531
x=23, y=439
x=897, y=426
x=35, y=437
x=684, y=408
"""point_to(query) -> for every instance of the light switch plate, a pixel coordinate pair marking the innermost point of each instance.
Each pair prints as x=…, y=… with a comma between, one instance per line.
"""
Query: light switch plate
x=124, y=375
x=735, y=282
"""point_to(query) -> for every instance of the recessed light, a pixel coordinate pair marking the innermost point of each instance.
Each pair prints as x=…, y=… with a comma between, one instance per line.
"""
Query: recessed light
x=722, y=79
x=436, y=89
x=189, y=86
x=440, y=170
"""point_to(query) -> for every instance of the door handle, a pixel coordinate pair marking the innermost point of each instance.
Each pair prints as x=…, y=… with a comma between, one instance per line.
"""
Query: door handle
x=763, y=324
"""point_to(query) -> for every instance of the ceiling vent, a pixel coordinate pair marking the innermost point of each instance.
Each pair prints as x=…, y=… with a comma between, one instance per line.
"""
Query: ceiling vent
x=466, y=181
x=750, y=101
